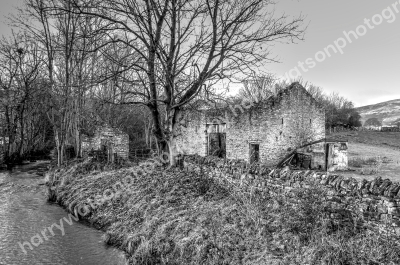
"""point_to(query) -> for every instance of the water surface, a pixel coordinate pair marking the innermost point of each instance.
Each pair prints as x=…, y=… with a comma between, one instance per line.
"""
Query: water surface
x=25, y=214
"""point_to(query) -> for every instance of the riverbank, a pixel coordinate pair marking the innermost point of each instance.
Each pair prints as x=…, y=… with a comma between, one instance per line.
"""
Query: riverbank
x=170, y=216
x=28, y=222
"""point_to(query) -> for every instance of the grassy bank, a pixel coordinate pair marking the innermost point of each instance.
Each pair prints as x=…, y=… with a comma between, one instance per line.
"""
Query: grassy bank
x=175, y=217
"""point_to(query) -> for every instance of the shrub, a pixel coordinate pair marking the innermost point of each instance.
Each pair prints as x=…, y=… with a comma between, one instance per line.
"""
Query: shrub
x=356, y=162
x=374, y=168
x=368, y=165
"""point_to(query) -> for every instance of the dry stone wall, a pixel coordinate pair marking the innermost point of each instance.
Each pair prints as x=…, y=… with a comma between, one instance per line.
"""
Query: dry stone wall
x=375, y=203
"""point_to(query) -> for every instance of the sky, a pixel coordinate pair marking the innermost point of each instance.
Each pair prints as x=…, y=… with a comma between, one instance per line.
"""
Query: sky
x=366, y=71
x=7, y=7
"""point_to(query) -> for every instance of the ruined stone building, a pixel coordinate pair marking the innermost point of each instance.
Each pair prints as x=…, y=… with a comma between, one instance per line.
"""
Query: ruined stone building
x=108, y=139
x=327, y=154
x=262, y=132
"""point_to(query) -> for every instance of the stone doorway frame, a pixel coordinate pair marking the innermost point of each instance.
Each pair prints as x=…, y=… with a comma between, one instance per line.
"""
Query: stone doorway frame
x=254, y=152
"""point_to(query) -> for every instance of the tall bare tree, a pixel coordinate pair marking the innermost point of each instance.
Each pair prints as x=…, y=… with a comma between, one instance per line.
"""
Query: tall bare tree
x=21, y=64
x=183, y=46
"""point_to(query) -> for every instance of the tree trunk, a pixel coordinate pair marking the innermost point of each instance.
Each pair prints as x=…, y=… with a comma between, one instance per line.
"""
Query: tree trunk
x=173, y=151
x=147, y=134
x=151, y=137
x=59, y=155
x=173, y=126
x=78, y=150
x=163, y=150
x=22, y=128
x=60, y=148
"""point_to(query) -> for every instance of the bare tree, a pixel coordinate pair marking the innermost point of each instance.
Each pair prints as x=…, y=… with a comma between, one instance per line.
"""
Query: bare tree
x=258, y=87
x=68, y=40
x=184, y=46
x=316, y=92
x=21, y=64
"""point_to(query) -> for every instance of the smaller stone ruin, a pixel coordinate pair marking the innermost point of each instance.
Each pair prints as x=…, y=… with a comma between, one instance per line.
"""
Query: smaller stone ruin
x=110, y=141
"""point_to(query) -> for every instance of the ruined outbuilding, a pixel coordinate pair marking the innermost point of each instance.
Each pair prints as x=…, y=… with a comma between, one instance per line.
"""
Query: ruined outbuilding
x=111, y=141
x=264, y=132
x=325, y=154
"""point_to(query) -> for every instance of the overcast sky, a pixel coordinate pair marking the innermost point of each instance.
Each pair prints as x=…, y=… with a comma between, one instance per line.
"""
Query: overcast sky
x=367, y=72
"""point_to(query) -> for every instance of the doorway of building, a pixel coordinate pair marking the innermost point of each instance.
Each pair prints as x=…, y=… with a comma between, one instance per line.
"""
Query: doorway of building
x=254, y=153
x=216, y=140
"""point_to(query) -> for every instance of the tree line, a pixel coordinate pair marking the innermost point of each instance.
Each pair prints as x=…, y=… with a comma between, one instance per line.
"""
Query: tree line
x=73, y=64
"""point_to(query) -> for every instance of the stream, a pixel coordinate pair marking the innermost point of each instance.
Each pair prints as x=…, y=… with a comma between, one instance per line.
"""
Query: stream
x=28, y=221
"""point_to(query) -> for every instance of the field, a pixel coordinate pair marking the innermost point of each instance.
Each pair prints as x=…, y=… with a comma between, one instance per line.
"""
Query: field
x=373, y=154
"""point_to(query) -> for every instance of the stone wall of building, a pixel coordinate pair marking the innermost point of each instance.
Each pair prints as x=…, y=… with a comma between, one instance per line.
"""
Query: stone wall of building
x=375, y=203
x=107, y=135
x=192, y=137
x=278, y=125
x=337, y=156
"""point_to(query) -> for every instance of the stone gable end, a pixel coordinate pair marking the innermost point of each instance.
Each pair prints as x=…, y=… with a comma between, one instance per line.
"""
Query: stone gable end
x=274, y=127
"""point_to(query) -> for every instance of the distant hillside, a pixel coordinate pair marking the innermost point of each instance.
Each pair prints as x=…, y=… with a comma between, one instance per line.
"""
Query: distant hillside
x=387, y=112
